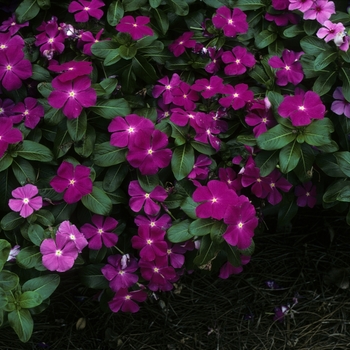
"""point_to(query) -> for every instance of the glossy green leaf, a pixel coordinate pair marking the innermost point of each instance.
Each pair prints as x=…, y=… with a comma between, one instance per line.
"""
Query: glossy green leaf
x=246, y=5
x=115, y=13
x=29, y=257
x=182, y=161
x=178, y=232
x=266, y=161
x=5, y=248
x=23, y=171
x=325, y=82
x=207, y=252
x=30, y=299
x=97, y=202
x=144, y=70
x=34, y=151
x=110, y=109
x=114, y=177
x=104, y=48
x=11, y=220
x=201, y=227
x=313, y=46
x=127, y=52
x=289, y=156
x=325, y=58
x=8, y=280
x=27, y=10
x=77, y=127
x=276, y=138
x=22, y=323
x=147, y=182
x=43, y=285
x=264, y=39
x=92, y=277
x=180, y=7
x=293, y=31
x=36, y=234
x=106, y=155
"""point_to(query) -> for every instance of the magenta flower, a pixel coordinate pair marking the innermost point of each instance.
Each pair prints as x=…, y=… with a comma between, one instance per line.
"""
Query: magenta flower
x=178, y=47
x=11, y=25
x=237, y=97
x=149, y=153
x=239, y=58
x=302, y=108
x=289, y=68
x=242, y=221
x=135, y=27
x=283, y=19
x=120, y=271
x=83, y=9
x=340, y=105
x=26, y=200
x=229, y=176
x=100, y=234
x=280, y=4
x=208, y=88
x=70, y=70
x=321, y=10
x=150, y=241
x=88, y=40
x=214, y=198
x=184, y=96
x=73, y=181
x=58, y=255
x=331, y=31
x=13, y=68
x=8, y=134
x=180, y=117
x=124, y=300
x=232, y=23
x=140, y=198
x=126, y=130
x=277, y=181
x=6, y=40
x=261, y=119
x=31, y=111
x=301, y=5
x=166, y=88
x=227, y=269
x=200, y=168
x=72, y=96
x=6, y=107
x=215, y=64
x=306, y=195
x=163, y=222
x=175, y=254
x=71, y=232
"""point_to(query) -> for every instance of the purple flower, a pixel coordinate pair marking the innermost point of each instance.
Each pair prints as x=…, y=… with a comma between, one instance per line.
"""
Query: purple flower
x=208, y=88
x=8, y=134
x=83, y=9
x=302, y=108
x=100, y=234
x=6, y=40
x=6, y=107
x=200, y=168
x=280, y=4
x=26, y=200
x=124, y=300
x=31, y=111
x=58, y=255
x=215, y=56
x=140, y=198
x=239, y=58
x=13, y=68
x=214, y=198
x=135, y=27
x=242, y=221
x=150, y=241
x=181, y=117
x=228, y=269
x=88, y=40
x=163, y=222
x=11, y=25
x=321, y=10
x=289, y=68
x=120, y=271
x=228, y=176
x=70, y=70
x=71, y=232
x=74, y=181
x=148, y=152
x=231, y=23
x=184, y=96
x=340, y=105
x=277, y=181
x=332, y=31
x=237, y=97
x=126, y=130
x=301, y=5
x=178, y=47
x=283, y=19
x=72, y=96
x=175, y=254
x=166, y=88
x=261, y=119
x=280, y=312
x=306, y=195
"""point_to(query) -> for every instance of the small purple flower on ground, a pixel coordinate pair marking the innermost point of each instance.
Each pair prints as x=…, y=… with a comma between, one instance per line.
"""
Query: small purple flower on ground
x=26, y=200
x=124, y=300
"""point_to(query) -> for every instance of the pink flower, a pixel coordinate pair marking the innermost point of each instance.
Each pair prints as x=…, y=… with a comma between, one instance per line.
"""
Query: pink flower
x=302, y=108
x=239, y=58
x=13, y=68
x=261, y=118
x=84, y=9
x=71, y=232
x=135, y=27
x=228, y=269
x=306, y=195
x=140, y=198
x=277, y=181
x=184, y=96
x=26, y=201
x=149, y=153
x=11, y=25
x=8, y=134
x=289, y=68
x=72, y=96
x=74, y=181
x=87, y=39
x=166, y=88
x=301, y=5
x=58, y=255
x=340, y=105
x=6, y=40
x=101, y=233
x=124, y=300
x=208, y=88
x=163, y=222
x=231, y=23
x=70, y=70
x=31, y=111
x=200, y=168
x=228, y=176
x=331, y=31
x=178, y=47
x=321, y=10
x=237, y=97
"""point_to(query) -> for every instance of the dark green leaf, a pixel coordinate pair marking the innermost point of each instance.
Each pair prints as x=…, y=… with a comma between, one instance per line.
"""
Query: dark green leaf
x=325, y=58
x=276, y=138
x=40, y=73
x=34, y=151
x=161, y=19
x=178, y=233
x=203, y=148
x=8, y=280
x=289, y=156
x=10, y=221
x=29, y=257
x=182, y=161
x=115, y=13
x=127, y=52
x=144, y=70
x=313, y=46
x=335, y=190
x=133, y=5
x=325, y=82
x=109, y=109
x=27, y=10
x=201, y=227
x=104, y=48
x=345, y=77
x=293, y=30
x=30, y=299
x=97, y=202
x=266, y=161
x=92, y=277
x=207, y=252
x=114, y=177
x=148, y=182
x=77, y=127
x=22, y=323
x=106, y=155
x=180, y=7
x=36, y=234
x=246, y=5
x=23, y=171
x=189, y=207
x=264, y=39
x=5, y=248
x=43, y=285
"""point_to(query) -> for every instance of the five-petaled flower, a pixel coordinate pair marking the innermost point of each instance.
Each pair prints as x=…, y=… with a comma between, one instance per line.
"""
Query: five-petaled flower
x=136, y=27
x=238, y=60
x=8, y=134
x=83, y=9
x=178, y=47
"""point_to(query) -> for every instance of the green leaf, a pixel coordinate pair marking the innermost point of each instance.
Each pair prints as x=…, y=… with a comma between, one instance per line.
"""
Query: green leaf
x=310, y=27
x=287, y=209
x=201, y=227
x=264, y=39
x=180, y=7
x=266, y=161
x=313, y=46
x=276, y=138
x=233, y=255
x=179, y=133
x=318, y=132
x=325, y=82
x=189, y=207
x=27, y=10
x=127, y=52
x=144, y=70
x=246, y=5
x=8, y=280
x=343, y=160
x=10, y=221
x=36, y=234
x=112, y=58
x=5, y=248
x=45, y=217
x=217, y=230
x=44, y=4
x=335, y=190
x=34, y=151
x=104, y=48
x=22, y=323
x=3, y=303
x=304, y=168
x=97, y=202
x=147, y=182
x=182, y=161
x=293, y=31
x=40, y=73
x=23, y=171
x=258, y=73
x=345, y=77
x=92, y=277
x=30, y=299
x=85, y=147
x=178, y=233
x=155, y=3
x=289, y=156
x=5, y=161
x=115, y=13
x=207, y=252
x=114, y=177
x=106, y=155
x=325, y=58
x=109, y=85
x=29, y=257
x=133, y=5
x=109, y=109
x=43, y=285
x=203, y=148
x=329, y=165
x=77, y=127
x=161, y=20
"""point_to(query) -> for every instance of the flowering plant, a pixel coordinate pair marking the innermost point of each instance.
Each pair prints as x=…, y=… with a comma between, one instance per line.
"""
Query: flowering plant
x=142, y=139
